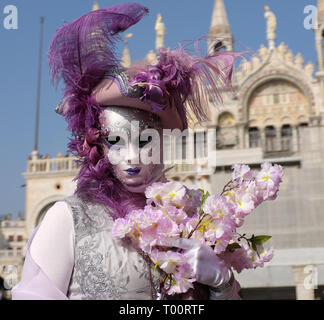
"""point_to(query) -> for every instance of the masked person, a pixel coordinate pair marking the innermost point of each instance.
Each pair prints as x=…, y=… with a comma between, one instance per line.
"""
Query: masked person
x=116, y=117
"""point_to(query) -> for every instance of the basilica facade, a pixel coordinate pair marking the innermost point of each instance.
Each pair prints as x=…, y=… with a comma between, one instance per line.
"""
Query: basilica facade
x=275, y=114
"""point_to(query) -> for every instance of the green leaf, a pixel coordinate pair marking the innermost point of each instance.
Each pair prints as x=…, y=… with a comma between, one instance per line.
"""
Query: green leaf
x=259, y=240
x=204, y=196
x=251, y=239
x=254, y=247
x=232, y=246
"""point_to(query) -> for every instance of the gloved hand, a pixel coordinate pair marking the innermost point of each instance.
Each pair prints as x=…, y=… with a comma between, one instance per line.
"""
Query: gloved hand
x=208, y=267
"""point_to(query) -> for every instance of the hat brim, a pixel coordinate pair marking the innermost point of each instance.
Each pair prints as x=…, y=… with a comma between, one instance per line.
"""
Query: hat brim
x=107, y=93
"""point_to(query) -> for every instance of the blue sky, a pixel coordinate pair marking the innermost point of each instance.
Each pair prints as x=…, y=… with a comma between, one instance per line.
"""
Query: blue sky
x=184, y=20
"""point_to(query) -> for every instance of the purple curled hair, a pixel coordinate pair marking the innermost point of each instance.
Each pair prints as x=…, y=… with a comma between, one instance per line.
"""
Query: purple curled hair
x=80, y=53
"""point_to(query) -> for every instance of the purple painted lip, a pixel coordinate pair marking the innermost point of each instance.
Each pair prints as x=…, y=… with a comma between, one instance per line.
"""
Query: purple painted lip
x=133, y=171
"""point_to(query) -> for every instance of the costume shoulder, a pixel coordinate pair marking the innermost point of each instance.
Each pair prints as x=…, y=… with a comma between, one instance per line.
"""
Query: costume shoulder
x=88, y=217
x=49, y=257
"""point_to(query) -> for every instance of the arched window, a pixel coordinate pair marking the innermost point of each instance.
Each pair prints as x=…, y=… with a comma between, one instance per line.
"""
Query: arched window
x=270, y=139
x=286, y=137
x=226, y=131
x=254, y=138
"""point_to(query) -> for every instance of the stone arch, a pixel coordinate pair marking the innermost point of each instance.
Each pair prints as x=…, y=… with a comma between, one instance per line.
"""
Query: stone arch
x=253, y=123
x=302, y=119
x=269, y=122
x=256, y=81
x=39, y=209
x=43, y=212
x=226, y=119
x=286, y=120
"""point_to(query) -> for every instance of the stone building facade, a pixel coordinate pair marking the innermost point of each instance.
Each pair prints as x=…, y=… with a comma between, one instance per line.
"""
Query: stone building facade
x=276, y=115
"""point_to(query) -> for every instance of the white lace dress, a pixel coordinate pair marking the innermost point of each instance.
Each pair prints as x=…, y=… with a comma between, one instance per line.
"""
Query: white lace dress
x=74, y=249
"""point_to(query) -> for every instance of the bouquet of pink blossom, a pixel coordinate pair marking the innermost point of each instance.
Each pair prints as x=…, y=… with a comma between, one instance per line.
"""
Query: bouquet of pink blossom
x=173, y=211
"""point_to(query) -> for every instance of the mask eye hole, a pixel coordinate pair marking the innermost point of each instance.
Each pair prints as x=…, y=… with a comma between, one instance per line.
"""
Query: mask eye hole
x=144, y=141
x=114, y=141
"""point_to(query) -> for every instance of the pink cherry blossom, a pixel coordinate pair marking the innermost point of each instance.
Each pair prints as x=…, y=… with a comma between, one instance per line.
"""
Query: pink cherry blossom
x=121, y=228
x=218, y=207
x=169, y=193
x=173, y=211
x=178, y=215
x=261, y=256
x=193, y=201
x=168, y=261
x=183, y=279
x=239, y=259
x=268, y=180
x=241, y=172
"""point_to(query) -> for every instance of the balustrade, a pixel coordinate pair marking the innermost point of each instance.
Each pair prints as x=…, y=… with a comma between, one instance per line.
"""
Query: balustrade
x=52, y=165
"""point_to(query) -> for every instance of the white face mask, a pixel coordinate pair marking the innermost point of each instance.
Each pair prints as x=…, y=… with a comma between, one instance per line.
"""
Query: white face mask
x=133, y=143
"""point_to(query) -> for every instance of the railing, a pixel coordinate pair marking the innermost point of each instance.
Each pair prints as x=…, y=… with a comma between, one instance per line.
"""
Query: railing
x=69, y=164
x=12, y=224
x=185, y=168
x=52, y=165
x=12, y=253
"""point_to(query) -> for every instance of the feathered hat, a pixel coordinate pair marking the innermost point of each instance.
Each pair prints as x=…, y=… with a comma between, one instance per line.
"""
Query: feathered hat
x=82, y=53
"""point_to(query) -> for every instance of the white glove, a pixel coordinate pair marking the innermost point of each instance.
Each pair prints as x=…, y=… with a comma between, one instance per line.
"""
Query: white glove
x=227, y=291
x=208, y=267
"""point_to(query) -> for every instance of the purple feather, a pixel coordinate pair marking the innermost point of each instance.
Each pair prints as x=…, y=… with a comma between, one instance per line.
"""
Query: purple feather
x=84, y=49
x=190, y=80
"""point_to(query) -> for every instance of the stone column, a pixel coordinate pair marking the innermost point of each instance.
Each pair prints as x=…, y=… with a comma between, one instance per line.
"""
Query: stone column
x=320, y=78
x=247, y=138
x=34, y=155
x=190, y=147
x=318, y=40
x=241, y=136
x=294, y=141
x=304, y=288
x=277, y=143
x=262, y=138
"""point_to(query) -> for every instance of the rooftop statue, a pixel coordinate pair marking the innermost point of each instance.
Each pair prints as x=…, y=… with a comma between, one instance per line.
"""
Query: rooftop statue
x=160, y=32
x=271, y=26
